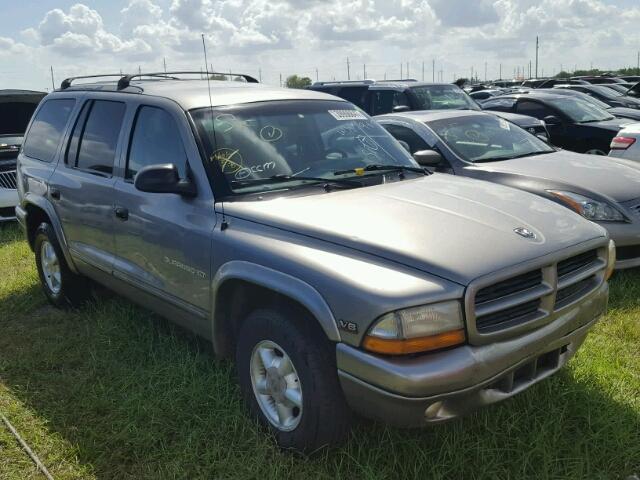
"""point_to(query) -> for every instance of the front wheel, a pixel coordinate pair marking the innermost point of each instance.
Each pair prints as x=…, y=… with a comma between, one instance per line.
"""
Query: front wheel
x=288, y=378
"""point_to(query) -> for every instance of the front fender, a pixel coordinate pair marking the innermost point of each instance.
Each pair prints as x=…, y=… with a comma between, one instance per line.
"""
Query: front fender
x=43, y=204
x=279, y=282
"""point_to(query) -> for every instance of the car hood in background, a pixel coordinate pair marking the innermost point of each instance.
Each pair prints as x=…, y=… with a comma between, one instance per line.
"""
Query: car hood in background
x=616, y=179
x=615, y=124
x=452, y=227
x=623, y=112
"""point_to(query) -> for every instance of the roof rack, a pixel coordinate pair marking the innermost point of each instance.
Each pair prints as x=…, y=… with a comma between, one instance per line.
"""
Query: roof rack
x=400, y=80
x=125, y=80
x=340, y=82
x=66, y=83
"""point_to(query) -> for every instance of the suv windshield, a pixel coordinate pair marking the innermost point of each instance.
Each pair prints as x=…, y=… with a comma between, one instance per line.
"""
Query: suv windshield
x=487, y=138
x=580, y=111
x=443, y=97
x=274, y=145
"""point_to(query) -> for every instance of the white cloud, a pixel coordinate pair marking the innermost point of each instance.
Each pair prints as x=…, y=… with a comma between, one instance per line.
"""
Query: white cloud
x=298, y=36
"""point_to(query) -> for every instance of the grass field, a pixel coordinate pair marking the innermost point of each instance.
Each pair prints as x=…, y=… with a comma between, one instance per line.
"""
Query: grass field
x=112, y=391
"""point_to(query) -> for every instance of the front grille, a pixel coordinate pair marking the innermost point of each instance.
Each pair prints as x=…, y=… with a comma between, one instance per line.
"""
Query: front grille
x=8, y=180
x=534, y=295
x=573, y=264
x=510, y=316
x=510, y=286
x=7, y=212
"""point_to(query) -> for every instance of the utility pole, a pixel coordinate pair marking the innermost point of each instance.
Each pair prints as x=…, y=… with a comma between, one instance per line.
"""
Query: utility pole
x=485, y=71
x=423, y=67
x=53, y=83
x=401, y=67
x=529, y=68
x=164, y=63
x=317, y=75
x=280, y=80
x=260, y=75
x=407, y=69
x=434, y=70
x=638, y=64
x=500, y=78
x=364, y=71
x=348, y=70
x=537, y=48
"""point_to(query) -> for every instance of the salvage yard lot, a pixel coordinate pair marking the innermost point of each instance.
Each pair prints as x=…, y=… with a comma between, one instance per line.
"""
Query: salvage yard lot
x=112, y=391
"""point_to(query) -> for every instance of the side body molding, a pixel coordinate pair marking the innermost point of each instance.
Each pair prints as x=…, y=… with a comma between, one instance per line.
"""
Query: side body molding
x=44, y=204
x=282, y=283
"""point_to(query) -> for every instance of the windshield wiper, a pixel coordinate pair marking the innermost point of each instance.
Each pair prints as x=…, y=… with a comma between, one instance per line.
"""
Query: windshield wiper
x=291, y=178
x=383, y=168
x=597, y=120
x=522, y=155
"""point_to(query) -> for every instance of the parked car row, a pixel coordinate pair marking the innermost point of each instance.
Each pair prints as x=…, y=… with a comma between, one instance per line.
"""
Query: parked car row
x=408, y=279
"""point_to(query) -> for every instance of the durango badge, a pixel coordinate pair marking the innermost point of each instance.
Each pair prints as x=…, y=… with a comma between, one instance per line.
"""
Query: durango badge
x=523, y=232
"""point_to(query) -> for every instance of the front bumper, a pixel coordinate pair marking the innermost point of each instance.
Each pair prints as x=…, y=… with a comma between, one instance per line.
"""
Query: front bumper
x=436, y=387
x=627, y=239
x=8, y=202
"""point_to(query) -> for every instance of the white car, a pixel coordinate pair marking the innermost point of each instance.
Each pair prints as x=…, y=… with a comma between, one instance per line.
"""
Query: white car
x=16, y=108
x=627, y=143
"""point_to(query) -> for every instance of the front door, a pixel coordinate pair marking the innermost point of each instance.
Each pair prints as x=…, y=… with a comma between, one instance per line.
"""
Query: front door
x=163, y=240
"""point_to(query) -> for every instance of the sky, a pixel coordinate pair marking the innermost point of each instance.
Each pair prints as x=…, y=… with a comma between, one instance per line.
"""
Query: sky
x=314, y=38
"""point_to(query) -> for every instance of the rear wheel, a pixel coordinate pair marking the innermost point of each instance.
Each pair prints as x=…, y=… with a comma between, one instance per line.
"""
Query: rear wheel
x=288, y=378
x=61, y=286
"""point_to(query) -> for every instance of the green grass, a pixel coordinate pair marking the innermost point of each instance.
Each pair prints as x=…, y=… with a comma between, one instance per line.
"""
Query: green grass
x=112, y=391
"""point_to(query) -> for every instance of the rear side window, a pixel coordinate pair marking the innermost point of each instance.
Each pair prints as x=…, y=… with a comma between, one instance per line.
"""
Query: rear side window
x=533, y=109
x=47, y=128
x=355, y=95
x=155, y=140
x=95, y=137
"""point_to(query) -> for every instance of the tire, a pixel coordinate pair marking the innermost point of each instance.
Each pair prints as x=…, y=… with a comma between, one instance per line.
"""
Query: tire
x=323, y=418
x=62, y=287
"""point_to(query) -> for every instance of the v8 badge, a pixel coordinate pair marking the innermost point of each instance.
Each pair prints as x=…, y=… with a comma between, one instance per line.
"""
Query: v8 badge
x=350, y=327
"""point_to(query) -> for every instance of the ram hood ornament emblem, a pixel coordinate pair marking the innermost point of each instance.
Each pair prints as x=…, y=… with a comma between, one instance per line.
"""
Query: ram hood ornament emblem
x=526, y=233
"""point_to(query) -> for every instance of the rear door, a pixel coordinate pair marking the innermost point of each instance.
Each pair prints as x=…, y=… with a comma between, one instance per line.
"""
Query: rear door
x=81, y=188
x=163, y=240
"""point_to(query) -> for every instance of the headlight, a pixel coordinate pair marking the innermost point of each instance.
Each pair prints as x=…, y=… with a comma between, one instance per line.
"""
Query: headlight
x=611, y=260
x=417, y=329
x=589, y=208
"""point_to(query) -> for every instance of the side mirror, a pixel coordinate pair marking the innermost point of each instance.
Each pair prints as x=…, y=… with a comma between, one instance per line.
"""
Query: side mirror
x=428, y=158
x=400, y=109
x=552, y=120
x=163, y=178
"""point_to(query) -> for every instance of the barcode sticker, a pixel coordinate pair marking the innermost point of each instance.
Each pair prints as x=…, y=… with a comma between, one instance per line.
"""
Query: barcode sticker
x=347, y=115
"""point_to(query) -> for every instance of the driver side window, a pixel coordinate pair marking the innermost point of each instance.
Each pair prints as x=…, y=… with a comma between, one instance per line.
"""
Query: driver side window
x=155, y=140
x=533, y=109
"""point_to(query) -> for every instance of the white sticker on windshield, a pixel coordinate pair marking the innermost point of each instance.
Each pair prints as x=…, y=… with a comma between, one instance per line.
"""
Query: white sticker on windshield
x=347, y=115
x=504, y=124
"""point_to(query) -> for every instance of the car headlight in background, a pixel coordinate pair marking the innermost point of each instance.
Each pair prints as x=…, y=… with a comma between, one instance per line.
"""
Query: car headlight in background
x=589, y=208
x=417, y=329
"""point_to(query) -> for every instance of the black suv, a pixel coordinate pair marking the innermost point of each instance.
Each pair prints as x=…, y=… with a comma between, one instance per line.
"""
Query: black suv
x=395, y=96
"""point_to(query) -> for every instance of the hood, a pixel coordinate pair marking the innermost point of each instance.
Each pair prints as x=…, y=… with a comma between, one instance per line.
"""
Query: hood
x=453, y=227
x=614, y=125
x=520, y=120
x=623, y=112
x=607, y=176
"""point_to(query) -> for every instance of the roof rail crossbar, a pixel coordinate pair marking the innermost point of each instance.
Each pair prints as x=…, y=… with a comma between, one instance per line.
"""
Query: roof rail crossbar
x=66, y=83
x=401, y=80
x=340, y=82
x=126, y=79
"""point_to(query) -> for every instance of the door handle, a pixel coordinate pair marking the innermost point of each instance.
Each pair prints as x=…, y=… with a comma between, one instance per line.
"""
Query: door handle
x=121, y=212
x=54, y=193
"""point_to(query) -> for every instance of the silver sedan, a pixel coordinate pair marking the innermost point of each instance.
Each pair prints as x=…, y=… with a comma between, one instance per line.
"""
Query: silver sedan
x=627, y=143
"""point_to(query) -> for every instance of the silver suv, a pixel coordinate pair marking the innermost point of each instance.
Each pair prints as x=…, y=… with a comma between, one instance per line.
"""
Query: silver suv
x=298, y=236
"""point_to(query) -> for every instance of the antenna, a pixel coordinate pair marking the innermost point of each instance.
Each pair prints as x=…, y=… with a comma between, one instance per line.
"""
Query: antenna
x=224, y=225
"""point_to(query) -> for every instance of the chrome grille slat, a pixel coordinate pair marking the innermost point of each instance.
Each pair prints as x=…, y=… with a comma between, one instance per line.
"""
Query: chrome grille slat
x=8, y=180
